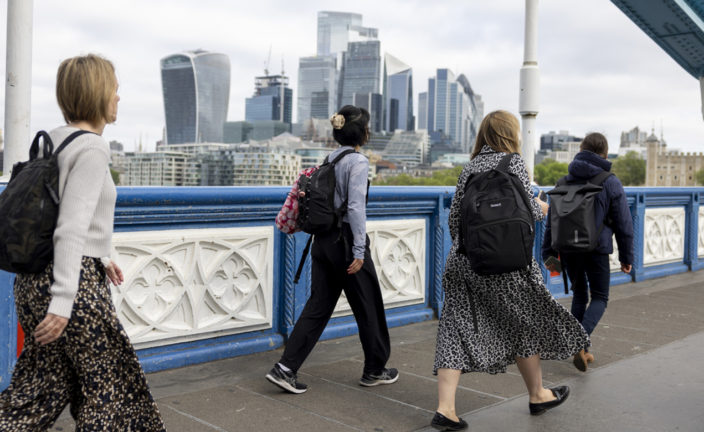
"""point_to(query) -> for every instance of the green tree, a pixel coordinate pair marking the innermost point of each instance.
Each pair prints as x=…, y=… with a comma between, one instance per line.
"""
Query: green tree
x=630, y=169
x=549, y=171
x=115, y=176
x=700, y=177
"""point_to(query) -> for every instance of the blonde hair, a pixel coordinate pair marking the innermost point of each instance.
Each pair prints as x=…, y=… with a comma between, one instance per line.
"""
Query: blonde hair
x=85, y=86
x=498, y=130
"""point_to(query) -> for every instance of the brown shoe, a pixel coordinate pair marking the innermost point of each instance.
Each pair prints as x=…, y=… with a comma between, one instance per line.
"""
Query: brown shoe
x=580, y=361
x=589, y=357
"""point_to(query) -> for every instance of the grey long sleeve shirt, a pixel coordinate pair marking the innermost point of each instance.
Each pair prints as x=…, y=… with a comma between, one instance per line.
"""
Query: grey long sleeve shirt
x=351, y=174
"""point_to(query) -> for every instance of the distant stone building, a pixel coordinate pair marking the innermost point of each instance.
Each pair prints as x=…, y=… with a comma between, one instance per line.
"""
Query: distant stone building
x=670, y=168
x=163, y=168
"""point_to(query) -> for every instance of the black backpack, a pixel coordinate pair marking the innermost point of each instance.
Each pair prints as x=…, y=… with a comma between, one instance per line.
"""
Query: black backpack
x=29, y=208
x=316, y=208
x=572, y=218
x=496, y=223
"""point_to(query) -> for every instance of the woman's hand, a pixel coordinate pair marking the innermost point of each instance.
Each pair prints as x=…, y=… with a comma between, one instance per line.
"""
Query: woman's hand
x=543, y=206
x=50, y=329
x=626, y=268
x=355, y=266
x=114, y=273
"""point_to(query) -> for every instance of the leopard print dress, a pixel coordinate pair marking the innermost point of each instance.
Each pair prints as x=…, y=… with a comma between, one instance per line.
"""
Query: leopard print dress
x=92, y=366
x=488, y=321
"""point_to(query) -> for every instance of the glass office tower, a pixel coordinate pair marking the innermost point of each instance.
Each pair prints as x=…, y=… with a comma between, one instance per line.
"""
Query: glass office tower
x=272, y=100
x=317, y=87
x=196, y=89
x=453, y=109
x=362, y=70
x=333, y=31
x=399, y=95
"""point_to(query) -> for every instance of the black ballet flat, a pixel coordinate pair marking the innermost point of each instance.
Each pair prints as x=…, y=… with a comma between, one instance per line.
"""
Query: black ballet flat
x=560, y=393
x=442, y=423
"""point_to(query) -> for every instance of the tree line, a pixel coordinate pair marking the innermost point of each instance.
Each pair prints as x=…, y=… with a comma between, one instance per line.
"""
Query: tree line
x=630, y=169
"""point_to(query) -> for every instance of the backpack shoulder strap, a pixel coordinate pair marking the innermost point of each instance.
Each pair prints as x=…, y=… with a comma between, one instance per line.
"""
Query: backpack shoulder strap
x=70, y=138
x=505, y=162
x=341, y=155
x=600, y=178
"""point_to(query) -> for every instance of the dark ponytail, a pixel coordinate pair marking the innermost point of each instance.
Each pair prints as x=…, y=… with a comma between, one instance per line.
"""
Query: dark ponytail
x=354, y=130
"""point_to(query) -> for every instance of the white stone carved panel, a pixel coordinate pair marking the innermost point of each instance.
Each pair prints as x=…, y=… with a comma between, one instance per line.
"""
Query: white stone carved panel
x=664, y=235
x=700, y=247
x=185, y=285
x=398, y=250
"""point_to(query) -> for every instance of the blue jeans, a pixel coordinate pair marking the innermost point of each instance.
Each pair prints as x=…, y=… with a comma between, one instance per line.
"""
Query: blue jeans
x=589, y=274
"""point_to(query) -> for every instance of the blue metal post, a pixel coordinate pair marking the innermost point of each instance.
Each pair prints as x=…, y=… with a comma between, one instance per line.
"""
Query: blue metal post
x=638, y=214
x=8, y=332
x=691, y=256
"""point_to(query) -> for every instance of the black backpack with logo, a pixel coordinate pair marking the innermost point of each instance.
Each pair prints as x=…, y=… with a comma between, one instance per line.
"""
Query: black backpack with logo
x=572, y=218
x=29, y=208
x=316, y=207
x=497, y=226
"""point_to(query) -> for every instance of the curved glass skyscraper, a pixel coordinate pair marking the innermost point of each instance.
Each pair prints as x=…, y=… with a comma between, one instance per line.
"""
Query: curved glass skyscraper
x=196, y=86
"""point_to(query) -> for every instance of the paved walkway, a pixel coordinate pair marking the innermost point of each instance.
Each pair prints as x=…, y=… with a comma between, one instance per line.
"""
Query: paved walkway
x=649, y=350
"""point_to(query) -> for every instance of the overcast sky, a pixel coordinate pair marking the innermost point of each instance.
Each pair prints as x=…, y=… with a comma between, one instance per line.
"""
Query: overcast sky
x=599, y=71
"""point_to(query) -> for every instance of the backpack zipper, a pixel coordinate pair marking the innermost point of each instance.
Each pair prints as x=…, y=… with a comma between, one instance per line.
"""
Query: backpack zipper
x=504, y=221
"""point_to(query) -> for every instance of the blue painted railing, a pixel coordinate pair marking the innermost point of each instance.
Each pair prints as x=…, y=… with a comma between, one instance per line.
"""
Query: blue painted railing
x=161, y=208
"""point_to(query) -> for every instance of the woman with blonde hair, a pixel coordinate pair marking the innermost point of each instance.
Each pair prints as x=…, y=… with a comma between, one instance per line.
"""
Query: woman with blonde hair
x=489, y=322
x=75, y=349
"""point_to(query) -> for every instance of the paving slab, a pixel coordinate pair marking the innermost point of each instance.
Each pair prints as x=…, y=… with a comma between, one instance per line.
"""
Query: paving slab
x=657, y=392
x=347, y=403
x=637, y=339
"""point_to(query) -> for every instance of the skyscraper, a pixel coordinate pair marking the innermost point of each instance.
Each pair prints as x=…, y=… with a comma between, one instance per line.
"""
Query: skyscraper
x=423, y=110
x=196, y=89
x=362, y=70
x=317, y=87
x=337, y=29
x=453, y=109
x=398, y=91
x=272, y=100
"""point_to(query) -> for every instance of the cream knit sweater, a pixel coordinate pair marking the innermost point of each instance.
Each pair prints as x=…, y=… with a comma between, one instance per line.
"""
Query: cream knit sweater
x=86, y=212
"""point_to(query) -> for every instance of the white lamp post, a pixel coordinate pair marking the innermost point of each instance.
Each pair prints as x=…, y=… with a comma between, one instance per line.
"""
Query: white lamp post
x=18, y=83
x=529, y=97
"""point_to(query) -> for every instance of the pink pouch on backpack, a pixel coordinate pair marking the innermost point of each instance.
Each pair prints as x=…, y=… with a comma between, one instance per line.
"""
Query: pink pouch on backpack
x=286, y=219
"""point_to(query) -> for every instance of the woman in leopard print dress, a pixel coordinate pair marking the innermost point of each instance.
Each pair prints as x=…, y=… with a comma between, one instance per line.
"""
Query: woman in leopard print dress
x=516, y=320
x=75, y=349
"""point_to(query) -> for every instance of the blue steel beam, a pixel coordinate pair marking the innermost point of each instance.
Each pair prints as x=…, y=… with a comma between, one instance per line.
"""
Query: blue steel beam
x=677, y=26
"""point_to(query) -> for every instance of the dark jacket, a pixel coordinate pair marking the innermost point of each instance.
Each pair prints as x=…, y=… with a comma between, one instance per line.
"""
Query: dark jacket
x=610, y=201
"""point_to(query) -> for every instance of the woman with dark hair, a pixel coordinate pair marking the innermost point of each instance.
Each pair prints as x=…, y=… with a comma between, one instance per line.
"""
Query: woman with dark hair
x=590, y=272
x=342, y=261
x=75, y=350
x=489, y=322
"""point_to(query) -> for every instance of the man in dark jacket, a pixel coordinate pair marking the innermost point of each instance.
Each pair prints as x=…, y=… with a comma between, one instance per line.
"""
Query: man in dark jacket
x=590, y=272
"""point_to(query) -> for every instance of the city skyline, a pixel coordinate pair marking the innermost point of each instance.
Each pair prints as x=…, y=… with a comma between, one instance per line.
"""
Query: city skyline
x=585, y=87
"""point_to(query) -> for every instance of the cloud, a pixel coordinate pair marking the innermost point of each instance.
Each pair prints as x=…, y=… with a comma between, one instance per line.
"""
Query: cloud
x=599, y=70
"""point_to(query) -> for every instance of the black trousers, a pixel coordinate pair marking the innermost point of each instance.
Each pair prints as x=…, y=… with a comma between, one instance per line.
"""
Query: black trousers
x=331, y=255
x=589, y=273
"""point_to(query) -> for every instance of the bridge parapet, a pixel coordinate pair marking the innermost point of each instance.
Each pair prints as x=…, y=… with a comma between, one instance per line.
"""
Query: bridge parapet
x=208, y=276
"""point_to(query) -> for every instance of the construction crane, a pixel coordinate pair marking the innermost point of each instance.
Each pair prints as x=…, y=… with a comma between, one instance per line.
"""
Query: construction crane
x=266, y=64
